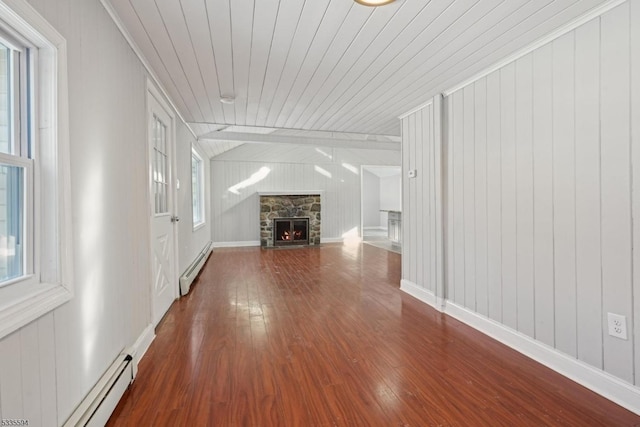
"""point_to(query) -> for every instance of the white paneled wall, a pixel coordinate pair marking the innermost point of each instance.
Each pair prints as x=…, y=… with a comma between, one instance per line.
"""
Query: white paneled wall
x=540, y=190
x=421, y=211
x=334, y=172
x=371, y=195
x=47, y=367
x=190, y=241
x=634, y=32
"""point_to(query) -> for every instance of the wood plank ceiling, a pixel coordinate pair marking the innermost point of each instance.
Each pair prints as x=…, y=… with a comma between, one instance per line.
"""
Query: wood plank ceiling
x=326, y=65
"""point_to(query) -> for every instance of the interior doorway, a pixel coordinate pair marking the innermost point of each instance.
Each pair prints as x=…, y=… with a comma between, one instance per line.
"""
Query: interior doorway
x=381, y=204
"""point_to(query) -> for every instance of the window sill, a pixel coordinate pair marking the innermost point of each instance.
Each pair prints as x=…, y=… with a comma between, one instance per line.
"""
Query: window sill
x=39, y=300
x=198, y=226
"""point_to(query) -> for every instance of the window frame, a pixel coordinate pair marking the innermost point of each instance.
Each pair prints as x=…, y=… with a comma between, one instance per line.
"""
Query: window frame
x=201, y=183
x=51, y=283
x=20, y=123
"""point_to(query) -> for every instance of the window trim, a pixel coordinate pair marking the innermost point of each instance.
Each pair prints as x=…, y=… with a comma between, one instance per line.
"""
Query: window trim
x=203, y=212
x=25, y=301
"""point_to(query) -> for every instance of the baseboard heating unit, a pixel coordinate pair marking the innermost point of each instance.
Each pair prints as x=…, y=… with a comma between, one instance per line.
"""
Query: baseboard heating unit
x=192, y=271
x=99, y=404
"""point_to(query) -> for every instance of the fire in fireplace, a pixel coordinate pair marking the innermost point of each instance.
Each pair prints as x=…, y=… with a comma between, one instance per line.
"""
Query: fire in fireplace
x=291, y=231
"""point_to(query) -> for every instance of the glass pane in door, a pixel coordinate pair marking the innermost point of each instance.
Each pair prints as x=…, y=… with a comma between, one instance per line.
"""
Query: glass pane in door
x=160, y=167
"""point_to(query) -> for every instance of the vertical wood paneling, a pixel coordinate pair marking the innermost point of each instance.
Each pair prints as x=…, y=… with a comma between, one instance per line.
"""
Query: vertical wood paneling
x=415, y=221
x=539, y=163
x=480, y=180
x=508, y=168
x=420, y=247
x=457, y=195
x=30, y=355
x=408, y=240
x=425, y=199
x=564, y=193
x=412, y=224
x=11, y=391
x=406, y=141
x=47, y=367
x=449, y=258
x=469, y=174
x=438, y=133
x=587, y=116
x=616, y=184
x=524, y=194
x=235, y=216
x=635, y=148
x=543, y=195
x=494, y=197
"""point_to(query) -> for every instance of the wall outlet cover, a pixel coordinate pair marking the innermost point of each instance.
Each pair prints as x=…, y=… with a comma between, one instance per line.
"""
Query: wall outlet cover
x=617, y=325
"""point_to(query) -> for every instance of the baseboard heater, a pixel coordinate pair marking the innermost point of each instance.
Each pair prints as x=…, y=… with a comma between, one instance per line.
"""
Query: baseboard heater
x=101, y=401
x=192, y=271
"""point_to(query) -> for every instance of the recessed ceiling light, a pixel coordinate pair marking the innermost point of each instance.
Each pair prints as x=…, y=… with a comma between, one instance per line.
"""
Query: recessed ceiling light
x=374, y=3
x=227, y=99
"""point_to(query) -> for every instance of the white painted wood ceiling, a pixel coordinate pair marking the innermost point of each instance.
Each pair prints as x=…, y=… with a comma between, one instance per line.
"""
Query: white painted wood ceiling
x=329, y=65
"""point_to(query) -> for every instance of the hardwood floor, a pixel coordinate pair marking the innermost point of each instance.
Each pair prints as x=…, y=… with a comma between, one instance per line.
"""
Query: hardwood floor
x=323, y=336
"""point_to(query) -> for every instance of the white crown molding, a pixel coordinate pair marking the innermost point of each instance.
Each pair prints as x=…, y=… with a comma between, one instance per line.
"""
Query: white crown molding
x=416, y=109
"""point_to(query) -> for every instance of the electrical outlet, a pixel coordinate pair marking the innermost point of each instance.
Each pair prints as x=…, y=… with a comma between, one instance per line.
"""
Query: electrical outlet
x=617, y=325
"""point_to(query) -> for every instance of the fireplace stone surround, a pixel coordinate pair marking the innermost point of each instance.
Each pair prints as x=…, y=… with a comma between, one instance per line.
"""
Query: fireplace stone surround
x=298, y=205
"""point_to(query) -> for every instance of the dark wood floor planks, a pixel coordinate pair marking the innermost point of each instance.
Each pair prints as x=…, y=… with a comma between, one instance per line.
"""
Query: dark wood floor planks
x=322, y=336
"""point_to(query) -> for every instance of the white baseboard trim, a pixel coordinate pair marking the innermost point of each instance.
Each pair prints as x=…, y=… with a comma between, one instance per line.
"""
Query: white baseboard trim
x=422, y=294
x=613, y=388
x=242, y=244
x=378, y=228
x=332, y=240
x=141, y=346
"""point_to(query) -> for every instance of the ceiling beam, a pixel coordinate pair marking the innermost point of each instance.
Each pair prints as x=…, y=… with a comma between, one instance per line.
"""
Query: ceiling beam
x=252, y=138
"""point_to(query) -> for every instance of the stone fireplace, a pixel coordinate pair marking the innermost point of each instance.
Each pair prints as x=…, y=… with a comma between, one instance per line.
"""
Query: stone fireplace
x=289, y=219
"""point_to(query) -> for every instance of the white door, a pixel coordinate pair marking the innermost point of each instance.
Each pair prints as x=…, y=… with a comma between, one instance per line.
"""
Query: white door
x=163, y=221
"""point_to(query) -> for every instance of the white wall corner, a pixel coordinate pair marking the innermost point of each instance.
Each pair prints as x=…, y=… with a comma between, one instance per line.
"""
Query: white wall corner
x=612, y=388
x=422, y=294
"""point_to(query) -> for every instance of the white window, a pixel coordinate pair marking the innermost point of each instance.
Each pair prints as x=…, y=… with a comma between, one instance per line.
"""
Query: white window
x=35, y=252
x=197, y=188
x=16, y=164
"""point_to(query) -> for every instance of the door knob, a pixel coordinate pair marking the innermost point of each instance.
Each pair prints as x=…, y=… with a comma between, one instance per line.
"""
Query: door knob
x=175, y=218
